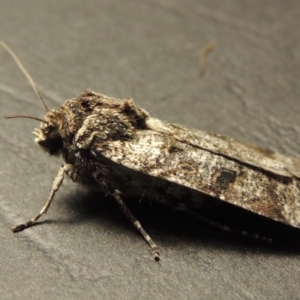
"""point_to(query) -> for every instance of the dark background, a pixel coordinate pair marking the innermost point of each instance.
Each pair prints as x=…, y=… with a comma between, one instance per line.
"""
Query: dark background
x=148, y=50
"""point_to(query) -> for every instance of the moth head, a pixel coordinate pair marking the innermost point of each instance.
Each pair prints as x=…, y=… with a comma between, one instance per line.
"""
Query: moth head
x=50, y=140
x=49, y=136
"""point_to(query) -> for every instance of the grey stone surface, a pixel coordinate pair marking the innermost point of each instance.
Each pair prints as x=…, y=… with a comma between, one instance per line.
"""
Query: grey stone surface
x=148, y=50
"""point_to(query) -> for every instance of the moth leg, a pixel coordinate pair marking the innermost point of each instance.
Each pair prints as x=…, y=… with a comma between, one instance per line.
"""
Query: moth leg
x=137, y=225
x=58, y=180
x=226, y=228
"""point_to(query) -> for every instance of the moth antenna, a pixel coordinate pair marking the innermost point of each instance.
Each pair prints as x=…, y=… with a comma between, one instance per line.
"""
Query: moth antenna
x=31, y=81
x=25, y=116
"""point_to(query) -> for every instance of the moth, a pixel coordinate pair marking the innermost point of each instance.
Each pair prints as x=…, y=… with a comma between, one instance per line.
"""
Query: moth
x=118, y=148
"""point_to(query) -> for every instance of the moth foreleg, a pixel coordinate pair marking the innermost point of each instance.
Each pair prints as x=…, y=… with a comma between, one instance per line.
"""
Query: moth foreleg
x=137, y=224
x=58, y=180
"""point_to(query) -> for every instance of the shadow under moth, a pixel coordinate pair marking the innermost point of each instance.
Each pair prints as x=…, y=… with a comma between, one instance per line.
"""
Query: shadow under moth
x=117, y=147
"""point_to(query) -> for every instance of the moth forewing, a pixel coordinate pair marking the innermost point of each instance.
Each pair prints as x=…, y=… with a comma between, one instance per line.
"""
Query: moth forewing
x=216, y=166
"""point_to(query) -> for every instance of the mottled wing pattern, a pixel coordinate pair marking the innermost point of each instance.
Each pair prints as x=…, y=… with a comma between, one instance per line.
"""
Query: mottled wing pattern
x=227, y=147
x=214, y=166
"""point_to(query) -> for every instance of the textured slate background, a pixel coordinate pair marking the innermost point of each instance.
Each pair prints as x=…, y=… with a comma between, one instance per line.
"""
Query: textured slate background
x=148, y=50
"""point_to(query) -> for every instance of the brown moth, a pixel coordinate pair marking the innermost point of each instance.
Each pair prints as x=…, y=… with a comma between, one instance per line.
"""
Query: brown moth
x=117, y=147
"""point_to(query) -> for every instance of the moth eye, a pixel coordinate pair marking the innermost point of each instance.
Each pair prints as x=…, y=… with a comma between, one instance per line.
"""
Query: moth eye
x=55, y=140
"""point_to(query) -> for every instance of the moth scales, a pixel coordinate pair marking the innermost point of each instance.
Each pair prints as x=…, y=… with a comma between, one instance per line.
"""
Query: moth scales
x=117, y=147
